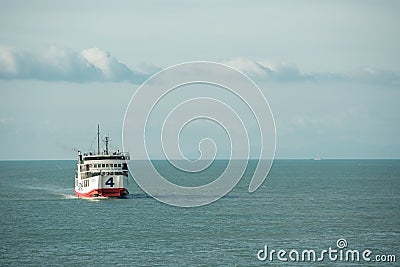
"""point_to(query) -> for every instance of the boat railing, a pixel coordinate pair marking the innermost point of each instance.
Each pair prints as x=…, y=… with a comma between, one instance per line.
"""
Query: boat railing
x=116, y=153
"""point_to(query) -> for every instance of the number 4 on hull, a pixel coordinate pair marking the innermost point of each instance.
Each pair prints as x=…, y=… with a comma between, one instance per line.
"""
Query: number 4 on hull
x=110, y=182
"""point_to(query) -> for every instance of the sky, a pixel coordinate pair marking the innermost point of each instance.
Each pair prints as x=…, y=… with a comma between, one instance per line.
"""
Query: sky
x=330, y=71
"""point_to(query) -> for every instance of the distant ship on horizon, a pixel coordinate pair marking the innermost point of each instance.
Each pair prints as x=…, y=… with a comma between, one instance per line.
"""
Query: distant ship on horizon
x=102, y=174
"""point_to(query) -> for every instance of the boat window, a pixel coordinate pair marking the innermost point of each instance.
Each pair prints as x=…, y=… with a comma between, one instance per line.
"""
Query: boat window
x=103, y=165
x=119, y=165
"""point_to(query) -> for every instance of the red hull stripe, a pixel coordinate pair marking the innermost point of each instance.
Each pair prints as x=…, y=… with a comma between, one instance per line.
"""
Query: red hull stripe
x=104, y=192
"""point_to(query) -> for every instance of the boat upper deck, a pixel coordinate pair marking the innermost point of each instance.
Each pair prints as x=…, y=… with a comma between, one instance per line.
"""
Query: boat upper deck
x=113, y=156
x=102, y=156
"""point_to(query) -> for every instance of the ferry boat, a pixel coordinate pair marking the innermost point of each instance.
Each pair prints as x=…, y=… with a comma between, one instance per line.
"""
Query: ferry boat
x=102, y=174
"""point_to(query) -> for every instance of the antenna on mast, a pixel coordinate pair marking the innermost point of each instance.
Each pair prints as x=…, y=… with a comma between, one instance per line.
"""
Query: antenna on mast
x=107, y=139
x=98, y=139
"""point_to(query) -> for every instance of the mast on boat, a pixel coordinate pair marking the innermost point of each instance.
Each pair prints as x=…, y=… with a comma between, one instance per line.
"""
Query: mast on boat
x=98, y=139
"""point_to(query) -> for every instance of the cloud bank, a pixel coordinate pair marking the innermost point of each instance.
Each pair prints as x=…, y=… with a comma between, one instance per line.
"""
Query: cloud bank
x=54, y=64
x=286, y=72
x=268, y=71
x=94, y=64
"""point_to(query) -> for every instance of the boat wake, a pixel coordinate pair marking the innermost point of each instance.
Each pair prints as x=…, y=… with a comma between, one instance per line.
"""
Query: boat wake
x=68, y=196
x=94, y=198
x=58, y=192
x=73, y=196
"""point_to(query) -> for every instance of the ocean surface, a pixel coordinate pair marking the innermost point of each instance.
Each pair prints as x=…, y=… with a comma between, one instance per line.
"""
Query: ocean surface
x=303, y=205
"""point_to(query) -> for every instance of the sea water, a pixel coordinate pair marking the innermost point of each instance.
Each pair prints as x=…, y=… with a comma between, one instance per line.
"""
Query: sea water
x=303, y=205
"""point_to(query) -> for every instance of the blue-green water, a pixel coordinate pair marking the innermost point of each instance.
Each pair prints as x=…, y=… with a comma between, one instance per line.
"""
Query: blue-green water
x=304, y=204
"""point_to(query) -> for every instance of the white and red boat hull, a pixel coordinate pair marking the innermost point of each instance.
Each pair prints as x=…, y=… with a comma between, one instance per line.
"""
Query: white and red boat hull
x=105, y=192
x=102, y=186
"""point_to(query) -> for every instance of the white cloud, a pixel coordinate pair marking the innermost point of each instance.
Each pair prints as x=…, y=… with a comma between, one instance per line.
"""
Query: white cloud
x=7, y=62
x=55, y=64
x=288, y=72
x=265, y=70
x=247, y=66
x=99, y=59
x=376, y=75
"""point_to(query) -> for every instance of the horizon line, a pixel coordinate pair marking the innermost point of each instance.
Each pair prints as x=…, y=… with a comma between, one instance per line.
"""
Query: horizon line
x=283, y=158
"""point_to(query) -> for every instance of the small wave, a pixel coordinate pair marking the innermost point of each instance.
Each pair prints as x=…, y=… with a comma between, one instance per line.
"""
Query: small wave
x=69, y=196
x=94, y=198
x=135, y=196
x=72, y=196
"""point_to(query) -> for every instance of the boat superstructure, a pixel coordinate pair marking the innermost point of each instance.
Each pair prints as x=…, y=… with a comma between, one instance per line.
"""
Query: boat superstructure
x=102, y=174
